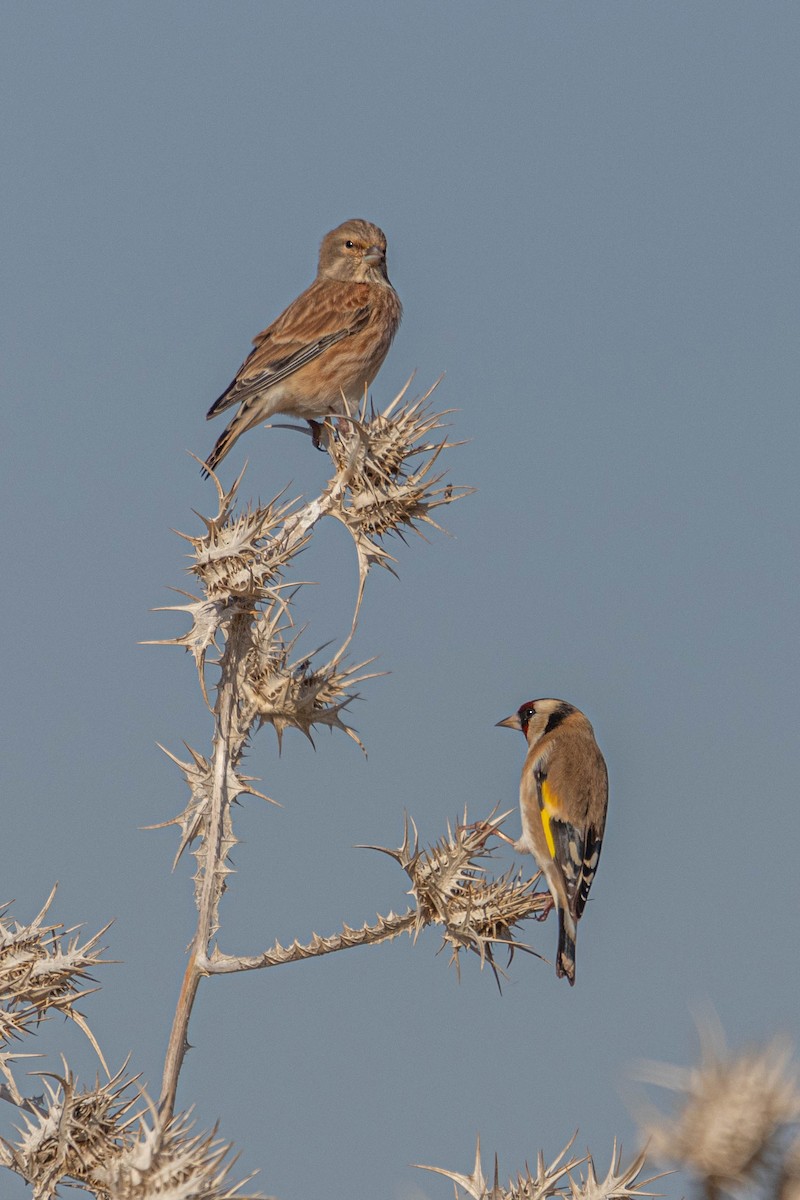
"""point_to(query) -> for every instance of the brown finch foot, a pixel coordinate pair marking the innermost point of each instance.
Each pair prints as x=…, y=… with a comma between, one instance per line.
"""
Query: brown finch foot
x=316, y=434
x=329, y=342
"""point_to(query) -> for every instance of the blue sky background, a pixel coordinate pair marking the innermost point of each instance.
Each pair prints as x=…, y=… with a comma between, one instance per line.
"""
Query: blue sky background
x=592, y=222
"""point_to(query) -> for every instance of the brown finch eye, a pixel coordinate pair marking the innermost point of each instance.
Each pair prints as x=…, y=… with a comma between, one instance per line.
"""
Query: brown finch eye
x=350, y=245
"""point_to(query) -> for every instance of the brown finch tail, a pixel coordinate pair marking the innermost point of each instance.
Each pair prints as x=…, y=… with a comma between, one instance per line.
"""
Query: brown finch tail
x=221, y=448
x=565, y=958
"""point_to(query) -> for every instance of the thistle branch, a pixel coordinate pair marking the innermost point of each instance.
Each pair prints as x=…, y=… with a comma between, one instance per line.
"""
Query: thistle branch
x=246, y=614
x=450, y=890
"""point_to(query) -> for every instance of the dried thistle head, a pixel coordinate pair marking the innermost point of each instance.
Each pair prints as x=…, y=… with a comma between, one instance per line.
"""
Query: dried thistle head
x=556, y=1179
x=732, y=1112
x=526, y=1187
x=74, y=1134
x=387, y=440
x=443, y=869
x=42, y=970
x=288, y=692
x=483, y=914
x=448, y=882
x=387, y=459
x=164, y=1159
x=242, y=557
x=620, y=1183
x=789, y=1176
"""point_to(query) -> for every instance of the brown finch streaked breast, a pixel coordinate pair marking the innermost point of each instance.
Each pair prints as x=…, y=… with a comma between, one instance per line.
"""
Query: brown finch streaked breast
x=331, y=340
x=563, y=797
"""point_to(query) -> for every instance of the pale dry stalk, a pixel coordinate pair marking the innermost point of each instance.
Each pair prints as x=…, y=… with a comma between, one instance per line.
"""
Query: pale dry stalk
x=240, y=561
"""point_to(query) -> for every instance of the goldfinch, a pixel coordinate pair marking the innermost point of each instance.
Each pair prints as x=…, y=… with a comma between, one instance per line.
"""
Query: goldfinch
x=563, y=797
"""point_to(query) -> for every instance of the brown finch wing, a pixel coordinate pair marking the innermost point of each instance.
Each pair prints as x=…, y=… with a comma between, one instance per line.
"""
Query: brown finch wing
x=315, y=321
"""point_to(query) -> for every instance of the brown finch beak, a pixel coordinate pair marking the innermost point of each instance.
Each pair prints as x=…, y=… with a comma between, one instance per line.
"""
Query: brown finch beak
x=329, y=342
x=511, y=722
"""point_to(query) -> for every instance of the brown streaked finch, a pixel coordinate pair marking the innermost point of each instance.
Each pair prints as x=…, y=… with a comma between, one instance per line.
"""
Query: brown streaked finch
x=331, y=340
x=563, y=797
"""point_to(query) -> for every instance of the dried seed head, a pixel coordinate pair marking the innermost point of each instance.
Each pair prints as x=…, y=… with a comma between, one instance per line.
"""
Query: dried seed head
x=390, y=438
x=733, y=1110
x=289, y=692
x=43, y=969
x=242, y=556
x=538, y=1186
x=449, y=885
x=76, y=1134
x=619, y=1183
x=166, y=1160
x=384, y=493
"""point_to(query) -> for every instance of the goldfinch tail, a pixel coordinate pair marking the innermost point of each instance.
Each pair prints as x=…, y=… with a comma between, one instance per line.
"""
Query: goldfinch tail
x=565, y=958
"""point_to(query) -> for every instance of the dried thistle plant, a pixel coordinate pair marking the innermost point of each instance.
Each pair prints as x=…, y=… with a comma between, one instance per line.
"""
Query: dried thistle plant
x=165, y=1159
x=728, y=1128
x=74, y=1134
x=42, y=971
x=244, y=624
x=449, y=890
x=788, y=1179
x=389, y=459
x=449, y=884
x=556, y=1179
x=109, y=1139
x=287, y=692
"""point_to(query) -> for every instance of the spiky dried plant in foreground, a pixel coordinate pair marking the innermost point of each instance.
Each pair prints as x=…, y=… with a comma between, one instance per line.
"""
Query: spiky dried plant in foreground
x=384, y=482
x=74, y=1134
x=42, y=971
x=389, y=457
x=555, y=1179
x=788, y=1181
x=109, y=1140
x=92, y=1138
x=729, y=1127
x=449, y=890
x=165, y=1159
x=449, y=884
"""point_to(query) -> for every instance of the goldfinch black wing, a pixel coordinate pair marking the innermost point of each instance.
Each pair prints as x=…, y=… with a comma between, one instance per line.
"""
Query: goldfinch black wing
x=574, y=849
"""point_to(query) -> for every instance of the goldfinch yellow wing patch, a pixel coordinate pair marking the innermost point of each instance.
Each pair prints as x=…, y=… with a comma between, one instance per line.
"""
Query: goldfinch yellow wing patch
x=548, y=808
x=566, y=845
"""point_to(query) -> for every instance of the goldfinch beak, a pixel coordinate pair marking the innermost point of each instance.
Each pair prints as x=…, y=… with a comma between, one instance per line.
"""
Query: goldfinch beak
x=511, y=722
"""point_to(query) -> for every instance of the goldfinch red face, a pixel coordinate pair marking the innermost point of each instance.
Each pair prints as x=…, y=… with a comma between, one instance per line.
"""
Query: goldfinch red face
x=535, y=718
